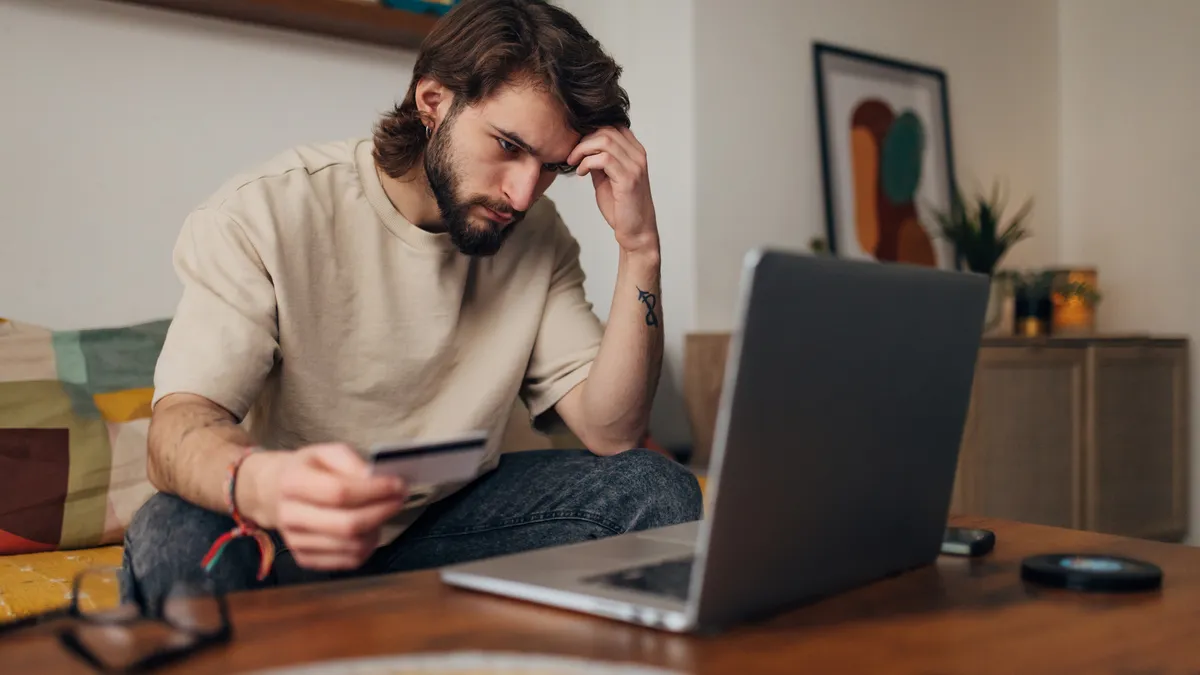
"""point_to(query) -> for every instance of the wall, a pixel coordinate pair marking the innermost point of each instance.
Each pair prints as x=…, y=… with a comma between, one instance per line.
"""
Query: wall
x=1131, y=167
x=121, y=119
x=124, y=118
x=758, y=178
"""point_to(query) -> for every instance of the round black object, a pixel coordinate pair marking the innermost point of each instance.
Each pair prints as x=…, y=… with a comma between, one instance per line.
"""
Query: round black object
x=1084, y=572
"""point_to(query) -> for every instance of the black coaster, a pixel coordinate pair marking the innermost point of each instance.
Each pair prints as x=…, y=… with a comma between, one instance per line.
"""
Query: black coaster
x=1086, y=572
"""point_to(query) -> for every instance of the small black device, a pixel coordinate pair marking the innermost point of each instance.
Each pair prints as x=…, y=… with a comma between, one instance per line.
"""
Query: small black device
x=1089, y=572
x=968, y=541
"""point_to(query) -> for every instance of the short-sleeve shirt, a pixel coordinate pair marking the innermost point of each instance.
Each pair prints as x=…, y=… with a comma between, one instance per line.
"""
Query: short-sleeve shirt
x=314, y=312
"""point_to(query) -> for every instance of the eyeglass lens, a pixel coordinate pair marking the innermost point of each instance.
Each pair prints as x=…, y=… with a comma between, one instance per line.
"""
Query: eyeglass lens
x=192, y=608
x=98, y=596
x=118, y=636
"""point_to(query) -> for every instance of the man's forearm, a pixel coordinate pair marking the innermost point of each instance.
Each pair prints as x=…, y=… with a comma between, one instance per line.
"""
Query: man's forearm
x=192, y=441
x=620, y=388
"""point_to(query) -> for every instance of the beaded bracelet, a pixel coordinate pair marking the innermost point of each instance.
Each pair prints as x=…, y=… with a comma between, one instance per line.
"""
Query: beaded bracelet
x=243, y=526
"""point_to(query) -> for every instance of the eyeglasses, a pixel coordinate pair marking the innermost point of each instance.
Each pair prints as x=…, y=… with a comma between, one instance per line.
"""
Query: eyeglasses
x=132, y=637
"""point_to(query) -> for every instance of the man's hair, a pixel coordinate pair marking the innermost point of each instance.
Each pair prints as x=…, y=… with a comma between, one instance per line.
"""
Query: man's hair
x=480, y=45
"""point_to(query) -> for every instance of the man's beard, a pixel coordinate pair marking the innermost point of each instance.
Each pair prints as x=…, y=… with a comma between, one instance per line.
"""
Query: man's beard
x=444, y=181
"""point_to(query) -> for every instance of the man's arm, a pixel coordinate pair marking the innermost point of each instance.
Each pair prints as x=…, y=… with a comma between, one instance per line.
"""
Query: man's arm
x=321, y=498
x=610, y=410
x=192, y=442
x=216, y=356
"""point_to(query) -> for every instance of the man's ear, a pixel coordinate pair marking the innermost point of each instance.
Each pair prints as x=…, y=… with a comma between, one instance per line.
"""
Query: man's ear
x=433, y=101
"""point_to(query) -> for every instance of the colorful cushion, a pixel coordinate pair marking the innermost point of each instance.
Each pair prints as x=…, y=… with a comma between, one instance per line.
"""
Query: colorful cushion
x=74, y=415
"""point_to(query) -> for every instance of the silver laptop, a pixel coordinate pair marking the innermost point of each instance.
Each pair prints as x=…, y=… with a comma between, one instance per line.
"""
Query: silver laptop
x=845, y=395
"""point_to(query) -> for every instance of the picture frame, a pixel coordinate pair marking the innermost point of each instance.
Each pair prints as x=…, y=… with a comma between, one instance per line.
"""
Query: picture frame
x=887, y=156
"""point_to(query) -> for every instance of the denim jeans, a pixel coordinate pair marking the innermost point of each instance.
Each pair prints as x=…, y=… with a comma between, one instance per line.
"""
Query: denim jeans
x=532, y=500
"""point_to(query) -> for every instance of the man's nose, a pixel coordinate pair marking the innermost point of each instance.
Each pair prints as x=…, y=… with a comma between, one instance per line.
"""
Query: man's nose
x=521, y=188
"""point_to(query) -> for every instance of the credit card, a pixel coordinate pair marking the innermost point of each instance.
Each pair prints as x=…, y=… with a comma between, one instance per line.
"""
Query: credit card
x=425, y=464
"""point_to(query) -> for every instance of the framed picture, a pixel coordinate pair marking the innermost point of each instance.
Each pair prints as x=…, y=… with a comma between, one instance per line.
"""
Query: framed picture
x=886, y=156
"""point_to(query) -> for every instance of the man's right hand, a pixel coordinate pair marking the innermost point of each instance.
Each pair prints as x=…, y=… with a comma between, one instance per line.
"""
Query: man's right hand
x=323, y=501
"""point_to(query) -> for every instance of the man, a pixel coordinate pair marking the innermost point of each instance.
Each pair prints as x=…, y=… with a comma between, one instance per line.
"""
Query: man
x=413, y=285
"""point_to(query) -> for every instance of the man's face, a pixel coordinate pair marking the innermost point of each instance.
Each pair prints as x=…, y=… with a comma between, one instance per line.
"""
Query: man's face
x=488, y=163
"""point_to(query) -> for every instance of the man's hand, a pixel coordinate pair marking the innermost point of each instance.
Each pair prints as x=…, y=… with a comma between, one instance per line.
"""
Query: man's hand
x=616, y=162
x=323, y=501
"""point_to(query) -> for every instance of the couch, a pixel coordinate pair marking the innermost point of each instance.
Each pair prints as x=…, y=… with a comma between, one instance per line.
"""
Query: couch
x=74, y=415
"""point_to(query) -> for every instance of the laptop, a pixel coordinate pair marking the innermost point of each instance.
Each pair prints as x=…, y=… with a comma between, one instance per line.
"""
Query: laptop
x=846, y=390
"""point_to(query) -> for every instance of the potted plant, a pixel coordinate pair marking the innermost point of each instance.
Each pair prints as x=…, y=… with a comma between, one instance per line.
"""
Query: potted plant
x=1075, y=298
x=1082, y=290
x=981, y=238
x=1033, y=293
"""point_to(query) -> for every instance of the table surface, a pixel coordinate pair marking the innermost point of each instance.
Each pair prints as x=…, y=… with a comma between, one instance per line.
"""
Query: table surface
x=957, y=616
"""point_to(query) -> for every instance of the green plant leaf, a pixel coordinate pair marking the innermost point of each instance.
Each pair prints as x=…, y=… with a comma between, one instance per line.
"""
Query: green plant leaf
x=977, y=227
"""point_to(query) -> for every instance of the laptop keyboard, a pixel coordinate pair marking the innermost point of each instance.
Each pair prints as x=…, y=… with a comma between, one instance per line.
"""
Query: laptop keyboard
x=670, y=578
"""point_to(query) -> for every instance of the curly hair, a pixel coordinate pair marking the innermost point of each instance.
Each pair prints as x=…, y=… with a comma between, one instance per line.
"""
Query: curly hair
x=481, y=45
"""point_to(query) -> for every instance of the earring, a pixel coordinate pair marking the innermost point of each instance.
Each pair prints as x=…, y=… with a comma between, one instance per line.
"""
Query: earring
x=428, y=132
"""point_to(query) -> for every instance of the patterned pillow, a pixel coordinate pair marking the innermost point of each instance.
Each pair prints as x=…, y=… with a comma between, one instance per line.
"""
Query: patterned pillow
x=74, y=414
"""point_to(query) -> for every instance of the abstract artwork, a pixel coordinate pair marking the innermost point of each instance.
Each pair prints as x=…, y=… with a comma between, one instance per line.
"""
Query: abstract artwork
x=886, y=155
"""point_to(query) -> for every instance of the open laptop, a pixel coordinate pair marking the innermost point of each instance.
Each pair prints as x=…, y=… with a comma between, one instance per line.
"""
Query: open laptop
x=835, y=450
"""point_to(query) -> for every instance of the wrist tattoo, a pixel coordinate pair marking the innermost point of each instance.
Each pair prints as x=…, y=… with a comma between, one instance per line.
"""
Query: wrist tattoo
x=647, y=298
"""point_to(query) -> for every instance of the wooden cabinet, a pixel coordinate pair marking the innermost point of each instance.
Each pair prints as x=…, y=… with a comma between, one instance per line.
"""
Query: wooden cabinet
x=1024, y=436
x=1086, y=433
x=1090, y=434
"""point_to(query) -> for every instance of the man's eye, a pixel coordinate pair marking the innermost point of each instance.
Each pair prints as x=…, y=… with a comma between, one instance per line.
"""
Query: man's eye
x=506, y=146
x=561, y=168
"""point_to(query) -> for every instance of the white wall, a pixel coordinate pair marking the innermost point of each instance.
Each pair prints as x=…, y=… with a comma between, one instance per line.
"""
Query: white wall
x=1131, y=167
x=118, y=120
x=757, y=149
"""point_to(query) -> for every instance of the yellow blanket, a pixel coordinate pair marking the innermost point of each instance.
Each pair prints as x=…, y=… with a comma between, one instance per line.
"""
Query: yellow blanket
x=38, y=582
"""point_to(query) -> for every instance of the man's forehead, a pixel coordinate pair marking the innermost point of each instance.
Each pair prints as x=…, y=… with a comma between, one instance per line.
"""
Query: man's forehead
x=534, y=118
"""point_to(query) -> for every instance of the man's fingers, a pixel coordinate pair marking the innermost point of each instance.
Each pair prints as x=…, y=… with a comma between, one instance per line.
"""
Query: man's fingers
x=315, y=543
x=337, y=457
x=296, y=516
x=626, y=158
x=325, y=488
x=605, y=140
x=335, y=475
x=628, y=135
x=327, y=561
x=637, y=152
x=587, y=146
x=629, y=145
x=605, y=163
x=589, y=164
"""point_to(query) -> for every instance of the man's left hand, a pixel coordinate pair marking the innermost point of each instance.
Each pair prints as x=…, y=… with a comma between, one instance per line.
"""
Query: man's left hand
x=616, y=162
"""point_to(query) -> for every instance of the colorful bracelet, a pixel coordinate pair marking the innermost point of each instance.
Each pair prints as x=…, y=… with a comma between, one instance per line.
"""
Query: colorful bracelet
x=243, y=526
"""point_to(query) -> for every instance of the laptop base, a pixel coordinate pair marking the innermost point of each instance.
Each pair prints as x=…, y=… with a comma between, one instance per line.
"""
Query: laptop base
x=604, y=577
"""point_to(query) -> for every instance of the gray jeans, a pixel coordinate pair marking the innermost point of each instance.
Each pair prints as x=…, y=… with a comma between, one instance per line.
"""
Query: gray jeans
x=532, y=500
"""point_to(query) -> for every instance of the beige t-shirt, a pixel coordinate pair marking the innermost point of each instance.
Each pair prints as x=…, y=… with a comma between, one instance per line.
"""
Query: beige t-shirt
x=312, y=309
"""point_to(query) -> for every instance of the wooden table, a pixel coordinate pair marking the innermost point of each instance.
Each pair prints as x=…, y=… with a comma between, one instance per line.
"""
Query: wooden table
x=958, y=616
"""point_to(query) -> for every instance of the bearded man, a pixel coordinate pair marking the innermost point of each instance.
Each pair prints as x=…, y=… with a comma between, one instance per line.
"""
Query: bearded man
x=413, y=285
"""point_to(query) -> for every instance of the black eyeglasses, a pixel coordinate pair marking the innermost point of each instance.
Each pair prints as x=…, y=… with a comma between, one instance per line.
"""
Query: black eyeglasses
x=132, y=637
